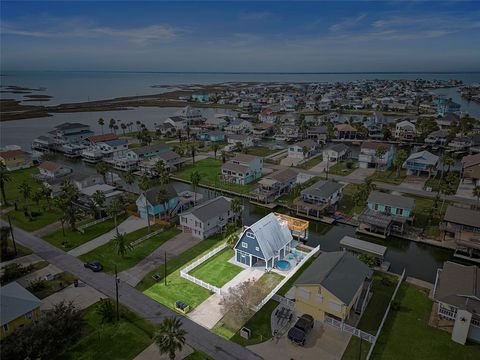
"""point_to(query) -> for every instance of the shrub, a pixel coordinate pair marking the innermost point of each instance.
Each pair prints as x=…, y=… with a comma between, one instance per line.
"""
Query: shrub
x=14, y=271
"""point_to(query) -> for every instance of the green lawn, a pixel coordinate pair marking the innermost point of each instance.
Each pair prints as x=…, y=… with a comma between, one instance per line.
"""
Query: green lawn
x=197, y=355
x=59, y=282
x=389, y=177
x=382, y=287
x=120, y=341
x=108, y=257
x=217, y=270
x=346, y=204
x=407, y=335
x=209, y=170
x=16, y=178
x=261, y=151
x=310, y=163
x=178, y=288
x=422, y=206
x=437, y=182
x=342, y=169
x=76, y=238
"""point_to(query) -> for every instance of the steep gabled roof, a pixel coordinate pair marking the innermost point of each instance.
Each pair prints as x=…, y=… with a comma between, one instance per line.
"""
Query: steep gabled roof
x=211, y=208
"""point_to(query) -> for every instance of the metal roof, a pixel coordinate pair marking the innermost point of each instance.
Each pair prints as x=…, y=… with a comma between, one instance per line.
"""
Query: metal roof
x=339, y=272
x=396, y=201
x=211, y=208
x=426, y=156
x=322, y=188
x=462, y=216
x=15, y=302
x=362, y=245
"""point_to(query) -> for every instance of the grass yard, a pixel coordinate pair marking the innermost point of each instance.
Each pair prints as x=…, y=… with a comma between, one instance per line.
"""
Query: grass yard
x=59, y=282
x=76, y=238
x=197, y=355
x=16, y=178
x=407, y=335
x=178, y=288
x=209, y=170
x=346, y=204
x=108, y=257
x=261, y=151
x=310, y=163
x=383, y=287
x=217, y=270
x=342, y=168
x=121, y=341
x=389, y=177
x=422, y=206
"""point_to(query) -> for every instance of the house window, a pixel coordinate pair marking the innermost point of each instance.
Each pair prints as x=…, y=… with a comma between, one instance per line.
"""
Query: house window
x=257, y=248
x=334, y=306
x=250, y=235
x=399, y=211
x=375, y=206
x=388, y=209
x=304, y=293
x=244, y=245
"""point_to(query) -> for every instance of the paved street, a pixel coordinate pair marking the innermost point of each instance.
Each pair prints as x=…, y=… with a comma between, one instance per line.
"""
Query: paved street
x=174, y=247
x=24, y=260
x=198, y=337
x=132, y=224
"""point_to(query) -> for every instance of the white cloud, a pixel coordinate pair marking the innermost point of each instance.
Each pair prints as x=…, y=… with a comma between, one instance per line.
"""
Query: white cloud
x=348, y=23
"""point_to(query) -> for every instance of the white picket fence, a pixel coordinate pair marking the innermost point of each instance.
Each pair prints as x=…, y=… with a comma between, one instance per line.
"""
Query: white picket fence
x=86, y=226
x=146, y=237
x=349, y=329
x=285, y=279
x=184, y=273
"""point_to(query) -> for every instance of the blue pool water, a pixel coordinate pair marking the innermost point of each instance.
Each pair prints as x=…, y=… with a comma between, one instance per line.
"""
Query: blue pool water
x=283, y=265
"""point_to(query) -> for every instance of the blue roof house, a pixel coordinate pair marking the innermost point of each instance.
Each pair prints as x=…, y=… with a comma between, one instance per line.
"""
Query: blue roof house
x=157, y=208
x=421, y=162
x=264, y=243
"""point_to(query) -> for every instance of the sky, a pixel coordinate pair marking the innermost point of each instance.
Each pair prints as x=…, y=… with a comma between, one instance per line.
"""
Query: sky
x=228, y=36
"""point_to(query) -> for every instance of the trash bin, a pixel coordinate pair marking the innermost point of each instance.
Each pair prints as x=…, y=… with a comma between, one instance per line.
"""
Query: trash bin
x=75, y=282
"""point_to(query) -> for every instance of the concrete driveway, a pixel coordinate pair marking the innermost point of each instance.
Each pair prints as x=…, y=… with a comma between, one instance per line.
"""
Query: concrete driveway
x=360, y=174
x=465, y=190
x=82, y=296
x=414, y=182
x=152, y=352
x=324, y=342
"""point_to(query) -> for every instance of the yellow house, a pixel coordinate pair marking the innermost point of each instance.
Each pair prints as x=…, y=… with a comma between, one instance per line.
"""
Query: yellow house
x=15, y=159
x=18, y=308
x=334, y=285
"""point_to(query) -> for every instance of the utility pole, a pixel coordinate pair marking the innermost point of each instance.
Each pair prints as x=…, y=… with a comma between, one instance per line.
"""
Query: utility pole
x=11, y=233
x=165, y=272
x=116, y=292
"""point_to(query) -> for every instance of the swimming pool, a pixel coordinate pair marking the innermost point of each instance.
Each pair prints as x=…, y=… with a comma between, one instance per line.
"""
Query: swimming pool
x=283, y=265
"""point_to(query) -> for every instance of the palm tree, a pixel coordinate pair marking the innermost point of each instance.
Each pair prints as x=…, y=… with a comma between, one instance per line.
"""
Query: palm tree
x=47, y=194
x=113, y=210
x=170, y=337
x=400, y=158
x=224, y=156
x=476, y=193
x=215, y=148
x=236, y=207
x=129, y=178
x=101, y=122
x=379, y=153
x=187, y=130
x=102, y=169
x=68, y=202
x=449, y=162
x=193, y=151
x=121, y=244
x=124, y=127
x=111, y=124
x=4, y=179
x=99, y=199
x=26, y=190
x=144, y=184
x=195, y=180
x=239, y=146
x=162, y=198
x=179, y=134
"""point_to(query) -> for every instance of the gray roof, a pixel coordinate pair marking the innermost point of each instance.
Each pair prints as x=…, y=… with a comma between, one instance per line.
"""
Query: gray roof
x=169, y=155
x=366, y=246
x=338, y=147
x=462, y=216
x=339, y=272
x=152, y=194
x=235, y=167
x=428, y=157
x=68, y=126
x=322, y=188
x=211, y=208
x=282, y=175
x=459, y=285
x=382, y=198
x=150, y=148
x=15, y=302
x=271, y=234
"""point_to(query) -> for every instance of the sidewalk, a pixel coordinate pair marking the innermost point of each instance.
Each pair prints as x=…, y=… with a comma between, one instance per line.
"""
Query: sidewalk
x=42, y=273
x=174, y=247
x=24, y=260
x=132, y=224
x=152, y=352
x=209, y=312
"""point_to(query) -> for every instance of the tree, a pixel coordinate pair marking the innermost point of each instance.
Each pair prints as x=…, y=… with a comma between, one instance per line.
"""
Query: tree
x=379, y=153
x=46, y=193
x=448, y=161
x=113, y=210
x=476, y=193
x=236, y=207
x=129, y=178
x=179, y=134
x=111, y=124
x=195, y=180
x=121, y=244
x=144, y=184
x=99, y=199
x=124, y=127
x=187, y=130
x=4, y=237
x=400, y=158
x=102, y=169
x=193, y=151
x=305, y=151
x=67, y=202
x=106, y=310
x=4, y=179
x=144, y=136
x=239, y=146
x=367, y=259
x=101, y=122
x=215, y=148
x=163, y=198
x=224, y=156
x=230, y=234
x=26, y=191
x=170, y=337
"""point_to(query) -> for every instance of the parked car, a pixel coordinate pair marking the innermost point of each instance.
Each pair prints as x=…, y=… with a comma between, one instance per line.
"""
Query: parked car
x=298, y=333
x=95, y=266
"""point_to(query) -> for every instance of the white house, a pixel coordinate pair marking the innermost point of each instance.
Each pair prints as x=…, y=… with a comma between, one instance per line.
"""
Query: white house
x=190, y=115
x=207, y=219
x=242, y=169
x=296, y=150
x=238, y=126
x=177, y=122
x=245, y=140
x=405, y=131
x=53, y=170
x=267, y=115
x=336, y=152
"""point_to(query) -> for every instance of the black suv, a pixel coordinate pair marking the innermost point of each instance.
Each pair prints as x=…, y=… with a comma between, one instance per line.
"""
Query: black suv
x=298, y=333
x=95, y=266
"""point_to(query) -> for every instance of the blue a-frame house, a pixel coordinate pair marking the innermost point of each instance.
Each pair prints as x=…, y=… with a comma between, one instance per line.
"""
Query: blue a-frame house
x=264, y=243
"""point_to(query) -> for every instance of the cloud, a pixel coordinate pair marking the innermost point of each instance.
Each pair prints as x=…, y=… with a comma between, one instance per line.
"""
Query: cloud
x=348, y=23
x=78, y=29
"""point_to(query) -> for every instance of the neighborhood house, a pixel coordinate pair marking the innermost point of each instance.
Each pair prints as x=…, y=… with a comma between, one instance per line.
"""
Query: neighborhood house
x=242, y=169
